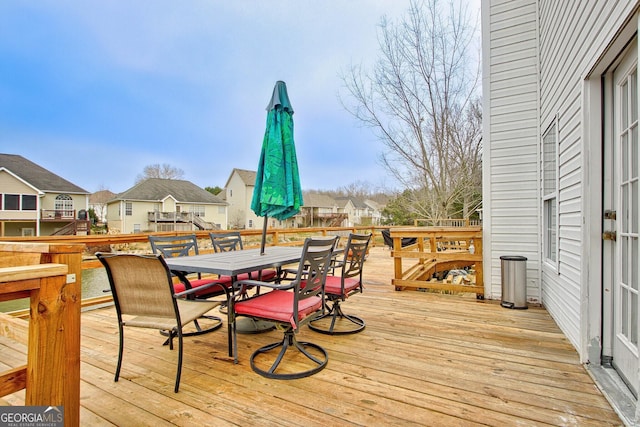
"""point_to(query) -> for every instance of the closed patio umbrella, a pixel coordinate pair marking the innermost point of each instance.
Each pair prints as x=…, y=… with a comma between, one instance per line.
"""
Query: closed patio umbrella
x=277, y=192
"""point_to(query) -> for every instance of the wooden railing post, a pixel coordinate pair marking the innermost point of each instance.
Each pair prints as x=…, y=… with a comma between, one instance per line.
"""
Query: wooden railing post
x=53, y=359
x=48, y=335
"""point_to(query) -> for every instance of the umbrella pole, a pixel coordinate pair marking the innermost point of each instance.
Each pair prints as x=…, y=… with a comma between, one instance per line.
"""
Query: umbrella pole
x=264, y=235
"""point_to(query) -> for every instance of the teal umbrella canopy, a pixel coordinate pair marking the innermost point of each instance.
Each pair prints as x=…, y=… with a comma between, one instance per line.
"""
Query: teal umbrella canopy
x=277, y=192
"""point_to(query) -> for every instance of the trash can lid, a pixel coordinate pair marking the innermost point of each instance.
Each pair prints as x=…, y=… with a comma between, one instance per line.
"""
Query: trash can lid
x=513, y=258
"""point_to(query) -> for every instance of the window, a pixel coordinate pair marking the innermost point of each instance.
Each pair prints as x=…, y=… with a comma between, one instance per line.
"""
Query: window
x=250, y=223
x=549, y=193
x=197, y=210
x=18, y=202
x=64, y=206
x=128, y=208
x=221, y=210
x=28, y=202
x=11, y=202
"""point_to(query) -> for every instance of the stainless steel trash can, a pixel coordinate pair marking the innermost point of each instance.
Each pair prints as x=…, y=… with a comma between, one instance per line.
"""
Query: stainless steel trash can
x=514, y=281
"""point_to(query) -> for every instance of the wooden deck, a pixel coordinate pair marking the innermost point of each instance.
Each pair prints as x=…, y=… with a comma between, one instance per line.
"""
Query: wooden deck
x=424, y=359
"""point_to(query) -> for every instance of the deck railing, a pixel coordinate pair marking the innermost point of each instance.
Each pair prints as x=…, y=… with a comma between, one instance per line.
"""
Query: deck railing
x=428, y=253
x=447, y=222
x=49, y=275
x=57, y=214
x=437, y=250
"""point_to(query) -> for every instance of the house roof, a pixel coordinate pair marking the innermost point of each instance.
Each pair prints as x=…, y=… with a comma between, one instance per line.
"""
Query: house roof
x=100, y=197
x=315, y=200
x=342, y=201
x=37, y=176
x=157, y=189
x=373, y=204
x=248, y=177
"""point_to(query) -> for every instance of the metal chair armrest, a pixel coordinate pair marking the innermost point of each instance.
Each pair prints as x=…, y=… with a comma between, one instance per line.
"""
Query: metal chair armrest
x=243, y=284
x=200, y=289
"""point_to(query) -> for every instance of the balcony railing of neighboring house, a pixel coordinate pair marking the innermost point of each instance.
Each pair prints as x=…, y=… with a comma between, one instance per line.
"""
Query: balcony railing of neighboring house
x=442, y=259
x=158, y=216
x=57, y=215
x=329, y=219
x=50, y=275
x=181, y=217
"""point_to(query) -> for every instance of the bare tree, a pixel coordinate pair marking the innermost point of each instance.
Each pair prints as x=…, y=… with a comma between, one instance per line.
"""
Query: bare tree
x=359, y=189
x=157, y=170
x=99, y=200
x=421, y=100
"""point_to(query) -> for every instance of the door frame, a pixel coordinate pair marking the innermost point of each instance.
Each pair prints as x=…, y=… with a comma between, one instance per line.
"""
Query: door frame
x=596, y=312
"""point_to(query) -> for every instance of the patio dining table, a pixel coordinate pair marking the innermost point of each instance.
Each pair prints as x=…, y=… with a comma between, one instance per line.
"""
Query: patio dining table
x=234, y=263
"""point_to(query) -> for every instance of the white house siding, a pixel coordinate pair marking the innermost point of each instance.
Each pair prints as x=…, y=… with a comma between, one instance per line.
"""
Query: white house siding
x=139, y=217
x=511, y=139
x=251, y=218
x=114, y=216
x=239, y=196
x=519, y=105
x=566, y=58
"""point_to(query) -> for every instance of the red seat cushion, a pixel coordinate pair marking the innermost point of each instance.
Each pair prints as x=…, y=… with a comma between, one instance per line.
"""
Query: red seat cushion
x=333, y=285
x=277, y=305
x=180, y=287
x=267, y=275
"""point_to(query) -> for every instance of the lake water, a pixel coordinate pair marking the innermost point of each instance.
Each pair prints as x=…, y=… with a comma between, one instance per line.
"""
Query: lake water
x=94, y=280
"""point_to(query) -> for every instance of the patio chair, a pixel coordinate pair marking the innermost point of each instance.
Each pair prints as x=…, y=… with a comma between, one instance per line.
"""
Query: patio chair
x=144, y=297
x=388, y=240
x=232, y=241
x=289, y=306
x=177, y=246
x=333, y=320
x=286, y=272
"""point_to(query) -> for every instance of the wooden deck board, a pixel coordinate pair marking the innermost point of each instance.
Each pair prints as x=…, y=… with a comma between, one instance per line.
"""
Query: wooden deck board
x=423, y=359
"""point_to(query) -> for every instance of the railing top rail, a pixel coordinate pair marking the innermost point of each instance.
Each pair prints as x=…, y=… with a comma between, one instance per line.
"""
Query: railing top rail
x=30, y=246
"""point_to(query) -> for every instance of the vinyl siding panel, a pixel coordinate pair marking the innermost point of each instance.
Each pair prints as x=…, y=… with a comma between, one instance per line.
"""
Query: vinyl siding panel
x=512, y=116
x=565, y=61
x=536, y=57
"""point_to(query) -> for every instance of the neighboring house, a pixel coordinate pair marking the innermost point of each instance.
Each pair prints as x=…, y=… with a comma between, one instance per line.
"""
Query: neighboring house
x=159, y=204
x=561, y=171
x=348, y=211
x=239, y=192
x=37, y=202
x=320, y=210
x=360, y=212
x=98, y=202
x=374, y=211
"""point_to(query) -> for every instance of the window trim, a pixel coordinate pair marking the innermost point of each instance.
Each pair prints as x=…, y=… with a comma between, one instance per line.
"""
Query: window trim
x=11, y=202
x=551, y=196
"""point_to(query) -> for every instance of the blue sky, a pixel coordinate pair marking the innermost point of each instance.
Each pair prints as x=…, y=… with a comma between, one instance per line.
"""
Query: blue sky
x=96, y=90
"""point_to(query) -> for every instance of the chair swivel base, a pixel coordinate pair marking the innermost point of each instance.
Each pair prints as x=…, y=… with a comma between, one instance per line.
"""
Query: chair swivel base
x=333, y=322
x=289, y=342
